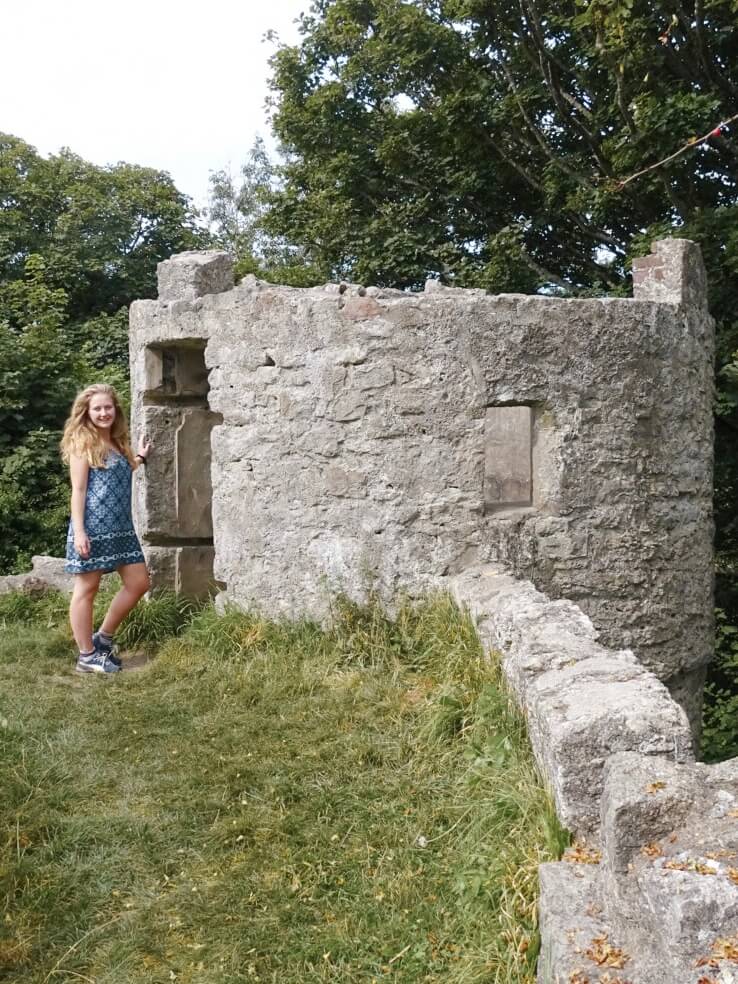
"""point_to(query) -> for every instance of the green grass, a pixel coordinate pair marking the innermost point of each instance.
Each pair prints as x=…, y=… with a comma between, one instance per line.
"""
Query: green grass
x=266, y=802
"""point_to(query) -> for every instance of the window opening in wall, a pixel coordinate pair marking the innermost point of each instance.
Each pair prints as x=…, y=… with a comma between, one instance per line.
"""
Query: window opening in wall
x=176, y=374
x=168, y=385
x=508, y=458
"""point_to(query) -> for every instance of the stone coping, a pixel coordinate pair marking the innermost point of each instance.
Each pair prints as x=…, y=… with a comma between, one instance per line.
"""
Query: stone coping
x=650, y=893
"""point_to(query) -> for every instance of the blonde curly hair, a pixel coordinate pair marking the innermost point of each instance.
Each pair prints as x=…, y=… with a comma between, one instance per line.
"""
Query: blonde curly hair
x=83, y=439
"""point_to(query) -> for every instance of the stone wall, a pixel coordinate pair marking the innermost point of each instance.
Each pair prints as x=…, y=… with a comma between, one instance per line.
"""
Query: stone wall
x=46, y=574
x=649, y=892
x=312, y=440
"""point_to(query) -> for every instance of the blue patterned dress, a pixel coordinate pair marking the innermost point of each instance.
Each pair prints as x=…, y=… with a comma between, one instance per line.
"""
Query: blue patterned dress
x=108, y=520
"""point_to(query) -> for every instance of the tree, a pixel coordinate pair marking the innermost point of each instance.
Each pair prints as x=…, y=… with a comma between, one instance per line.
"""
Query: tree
x=237, y=213
x=78, y=243
x=487, y=143
x=100, y=230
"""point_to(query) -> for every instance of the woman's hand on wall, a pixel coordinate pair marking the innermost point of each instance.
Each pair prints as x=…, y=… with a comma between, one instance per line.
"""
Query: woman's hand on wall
x=144, y=448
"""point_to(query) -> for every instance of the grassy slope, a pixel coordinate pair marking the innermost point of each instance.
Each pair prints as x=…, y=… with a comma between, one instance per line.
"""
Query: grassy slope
x=266, y=802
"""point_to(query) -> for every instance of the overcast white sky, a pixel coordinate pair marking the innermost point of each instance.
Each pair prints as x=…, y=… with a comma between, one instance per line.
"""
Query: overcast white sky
x=170, y=84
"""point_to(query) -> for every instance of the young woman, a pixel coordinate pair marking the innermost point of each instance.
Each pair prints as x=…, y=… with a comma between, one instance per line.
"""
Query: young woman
x=101, y=536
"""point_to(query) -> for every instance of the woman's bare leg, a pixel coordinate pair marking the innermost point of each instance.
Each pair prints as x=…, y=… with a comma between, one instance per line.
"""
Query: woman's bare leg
x=80, y=608
x=136, y=583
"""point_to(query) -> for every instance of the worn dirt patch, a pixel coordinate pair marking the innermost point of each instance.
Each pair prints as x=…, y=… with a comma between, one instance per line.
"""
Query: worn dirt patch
x=133, y=662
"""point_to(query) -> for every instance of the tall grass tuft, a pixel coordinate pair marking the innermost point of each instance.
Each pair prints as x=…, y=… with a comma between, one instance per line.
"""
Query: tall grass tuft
x=44, y=607
x=161, y=615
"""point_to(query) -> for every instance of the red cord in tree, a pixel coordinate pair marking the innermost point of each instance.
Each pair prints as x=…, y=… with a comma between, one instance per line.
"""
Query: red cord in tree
x=715, y=132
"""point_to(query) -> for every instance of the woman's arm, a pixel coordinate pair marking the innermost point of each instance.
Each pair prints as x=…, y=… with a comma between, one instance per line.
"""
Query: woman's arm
x=79, y=470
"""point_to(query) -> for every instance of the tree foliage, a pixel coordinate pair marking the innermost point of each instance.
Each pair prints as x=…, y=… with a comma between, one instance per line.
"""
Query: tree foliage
x=487, y=143
x=237, y=216
x=78, y=243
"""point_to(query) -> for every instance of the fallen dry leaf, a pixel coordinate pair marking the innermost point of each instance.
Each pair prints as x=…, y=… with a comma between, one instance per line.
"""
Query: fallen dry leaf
x=696, y=866
x=726, y=949
x=606, y=955
x=577, y=977
x=652, y=850
x=704, y=869
x=707, y=962
x=733, y=875
x=581, y=854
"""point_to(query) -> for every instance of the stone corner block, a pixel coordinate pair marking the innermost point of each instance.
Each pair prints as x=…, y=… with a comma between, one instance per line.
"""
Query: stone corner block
x=577, y=943
x=670, y=840
x=187, y=570
x=644, y=798
x=673, y=273
x=581, y=714
x=187, y=276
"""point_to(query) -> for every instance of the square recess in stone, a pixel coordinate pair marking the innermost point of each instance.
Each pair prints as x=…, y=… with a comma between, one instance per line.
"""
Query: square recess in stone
x=508, y=458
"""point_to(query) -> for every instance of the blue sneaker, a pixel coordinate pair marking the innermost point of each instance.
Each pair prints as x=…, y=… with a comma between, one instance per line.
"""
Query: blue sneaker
x=107, y=649
x=95, y=662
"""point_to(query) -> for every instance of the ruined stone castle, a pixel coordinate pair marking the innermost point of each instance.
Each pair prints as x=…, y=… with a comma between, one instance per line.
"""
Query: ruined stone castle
x=548, y=460
x=309, y=440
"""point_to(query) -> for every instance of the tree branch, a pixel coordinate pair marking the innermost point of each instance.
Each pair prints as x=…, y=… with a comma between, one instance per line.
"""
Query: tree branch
x=554, y=158
x=689, y=145
x=548, y=64
x=543, y=273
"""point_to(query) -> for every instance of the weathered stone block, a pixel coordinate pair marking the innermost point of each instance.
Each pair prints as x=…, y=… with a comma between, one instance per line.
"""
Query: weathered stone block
x=47, y=573
x=193, y=484
x=188, y=276
x=577, y=944
x=186, y=570
x=672, y=273
x=583, y=702
x=508, y=479
x=670, y=839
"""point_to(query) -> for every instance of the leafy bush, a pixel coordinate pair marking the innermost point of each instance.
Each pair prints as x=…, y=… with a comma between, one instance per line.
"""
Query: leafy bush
x=720, y=715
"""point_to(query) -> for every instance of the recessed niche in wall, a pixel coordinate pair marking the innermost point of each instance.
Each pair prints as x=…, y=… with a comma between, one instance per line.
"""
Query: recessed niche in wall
x=508, y=458
x=176, y=373
x=179, y=490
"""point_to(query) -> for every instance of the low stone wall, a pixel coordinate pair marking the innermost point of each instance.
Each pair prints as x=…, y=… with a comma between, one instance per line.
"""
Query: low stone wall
x=652, y=897
x=47, y=573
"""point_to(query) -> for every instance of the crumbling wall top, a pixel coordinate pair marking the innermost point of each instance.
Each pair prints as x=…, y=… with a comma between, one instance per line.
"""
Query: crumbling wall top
x=187, y=276
x=673, y=273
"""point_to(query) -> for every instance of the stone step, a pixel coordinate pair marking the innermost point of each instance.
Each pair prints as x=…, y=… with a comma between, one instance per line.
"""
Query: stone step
x=670, y=864
x=577, y=944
